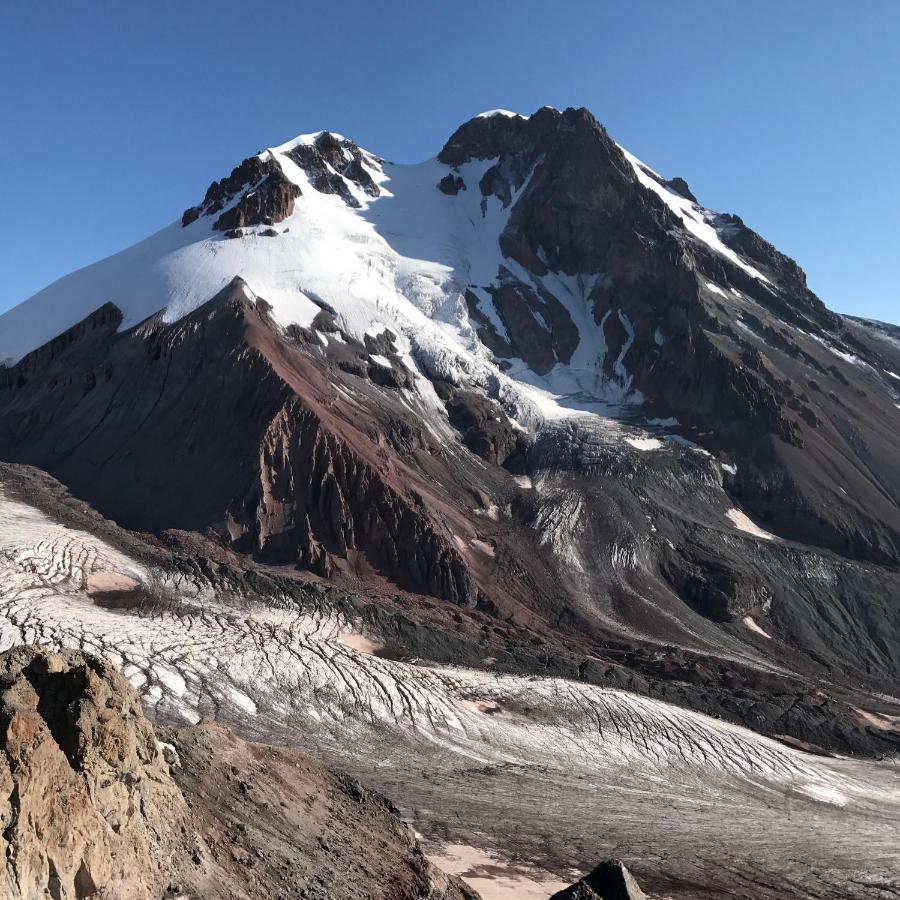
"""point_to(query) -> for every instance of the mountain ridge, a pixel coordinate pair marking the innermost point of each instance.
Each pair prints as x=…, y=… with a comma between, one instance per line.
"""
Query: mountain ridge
x=530, y=377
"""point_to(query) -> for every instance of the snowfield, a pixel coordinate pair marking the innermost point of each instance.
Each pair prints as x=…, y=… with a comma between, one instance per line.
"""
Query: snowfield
x=403, y=260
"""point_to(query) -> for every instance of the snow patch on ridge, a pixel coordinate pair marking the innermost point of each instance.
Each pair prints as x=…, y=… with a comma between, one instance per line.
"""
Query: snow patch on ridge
x=644, y=443
x=743, y=522
x=692, y=216
x=509, y=114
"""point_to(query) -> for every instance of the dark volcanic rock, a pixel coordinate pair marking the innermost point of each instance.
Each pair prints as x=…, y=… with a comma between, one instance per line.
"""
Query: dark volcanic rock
x=271, y=200
x=611, y=880
x=486, y=429
x=790, y=277
x=451, y=185
x=540, y=329
x=730, y=361
x=262, y=461
x=331, y=162
x=717, y=591
x=259, y=190
x=580, y=198
x=680, y=186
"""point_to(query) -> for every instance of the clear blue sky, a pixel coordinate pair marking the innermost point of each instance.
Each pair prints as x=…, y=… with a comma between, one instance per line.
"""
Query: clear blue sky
x=115, y=116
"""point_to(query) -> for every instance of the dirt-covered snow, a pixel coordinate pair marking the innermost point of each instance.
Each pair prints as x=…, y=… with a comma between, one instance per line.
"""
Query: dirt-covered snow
x=529, y=767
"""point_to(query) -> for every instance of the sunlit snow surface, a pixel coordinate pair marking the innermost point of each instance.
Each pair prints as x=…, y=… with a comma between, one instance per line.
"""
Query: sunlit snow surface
x=530, y=766
x=403, y=260
x=694, y=218
x=490, y=113
x=743, y=522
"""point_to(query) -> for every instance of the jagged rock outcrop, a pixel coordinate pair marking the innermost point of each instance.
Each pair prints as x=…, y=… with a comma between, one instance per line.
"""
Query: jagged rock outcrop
x=724, y=344
x=95, y=805
x=257, y=192
x=89, y=808
x=272, y=200
x=611, y=880
x=330, y=162
x=316, y=499
x=486, y=429
x=258, y=464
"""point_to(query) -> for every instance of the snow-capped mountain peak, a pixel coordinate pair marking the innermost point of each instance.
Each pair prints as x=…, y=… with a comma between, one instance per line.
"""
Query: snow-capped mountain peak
x=533, y=258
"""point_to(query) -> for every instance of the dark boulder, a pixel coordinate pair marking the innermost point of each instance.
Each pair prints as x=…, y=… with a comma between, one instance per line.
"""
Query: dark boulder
x=485, y=428
x=680, y=186
x=451, y=184
x=611, y=880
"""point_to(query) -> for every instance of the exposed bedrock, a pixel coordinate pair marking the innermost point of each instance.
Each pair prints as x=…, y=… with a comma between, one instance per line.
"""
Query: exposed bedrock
x=271, y=201
x=257, y=192
x=738, y=350
x=485, y=428
x=646, y=546
x=316, y=499
x=95, y=804
x=89, y=804
x=331, y=162
x=180, y=426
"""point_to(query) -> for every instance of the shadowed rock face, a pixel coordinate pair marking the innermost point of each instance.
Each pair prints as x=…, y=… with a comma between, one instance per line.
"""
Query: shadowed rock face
x=257, y=192
x=738, y=358
x=97, y=806
x=261, y=459
x=609, y=881
x=330, y=161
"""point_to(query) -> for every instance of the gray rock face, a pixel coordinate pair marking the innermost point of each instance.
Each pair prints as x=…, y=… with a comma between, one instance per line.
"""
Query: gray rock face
x=735, y=348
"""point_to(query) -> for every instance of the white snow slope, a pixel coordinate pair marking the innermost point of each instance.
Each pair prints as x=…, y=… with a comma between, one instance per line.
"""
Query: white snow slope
x=402, y=260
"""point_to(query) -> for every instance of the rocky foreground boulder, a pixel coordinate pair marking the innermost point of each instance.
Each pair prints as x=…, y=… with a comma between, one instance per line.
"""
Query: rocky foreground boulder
x=611, y=880
x=94, y=804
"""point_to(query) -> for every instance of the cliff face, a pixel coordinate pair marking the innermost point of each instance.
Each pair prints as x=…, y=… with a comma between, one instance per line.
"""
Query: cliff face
x=192, y=426
x=712, y=324
x=88, y=805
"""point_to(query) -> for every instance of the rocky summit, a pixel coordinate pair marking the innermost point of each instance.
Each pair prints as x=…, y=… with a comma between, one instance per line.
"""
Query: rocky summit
x=453, y=457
